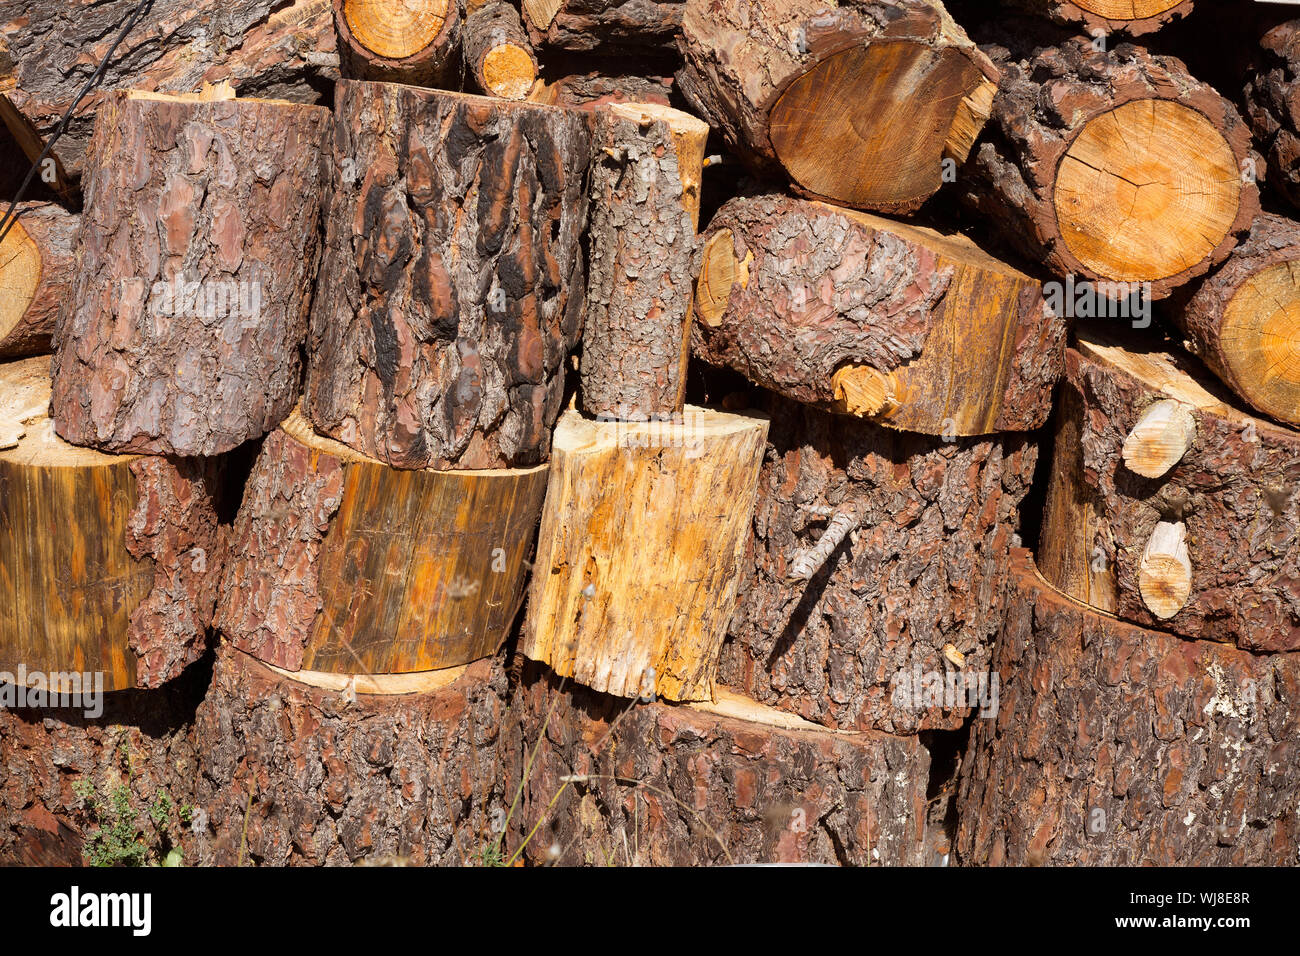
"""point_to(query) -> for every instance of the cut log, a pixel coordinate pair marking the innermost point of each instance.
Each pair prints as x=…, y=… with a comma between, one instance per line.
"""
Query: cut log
x=1134, y=17
x=592, y=90
x=36, y=276
x=416, y=41
x=340, y=563
x=498, y=54
x=858, y=104
x=640, y=550
x=605, y=26
x=1118, y=746
x=616, y=782
x=849, y=312
x=1117, y=166
x=51, y=754
x=108, y=563
x=1164, y=433
x=927, y=524
x=646, y=170
x=1272, y=110
x=442, y=323
x=1244, y=319
x=296, y=775
x=195, y=260
x=1234, y=490
x=262, y=47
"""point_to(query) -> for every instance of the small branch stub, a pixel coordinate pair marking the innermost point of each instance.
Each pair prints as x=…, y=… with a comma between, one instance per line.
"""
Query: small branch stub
x=863, y=390
x=1163, y=434
x=808, y=563
x=1165, y=576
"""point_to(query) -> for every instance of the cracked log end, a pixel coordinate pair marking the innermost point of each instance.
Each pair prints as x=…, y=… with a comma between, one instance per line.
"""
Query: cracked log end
x=1163, y=434
x=864, y=391
x=509, y=71
x=20, y=276
x=719, y=271
x=1259, y=340
x=395, y=30
x=1165, y=575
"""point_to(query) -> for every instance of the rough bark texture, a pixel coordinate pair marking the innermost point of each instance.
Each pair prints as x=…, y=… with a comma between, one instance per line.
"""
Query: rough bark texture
x=452, y=282
x=1109, y=16
x=605, y=26
x=1235, y=490
x=434, y=64
x=340, y=563
x=296, y=775
x=680, y=785
x=37, y=273
x=645, y=199
x=925, y=568
x=1273, y=110
x=262, y=47
x=592, y=90
x=859, y=103
x=1042, y=107
x=966, y=343
x=197, y=252
x=140, y=741
x=498, y=53
x=1114, y=745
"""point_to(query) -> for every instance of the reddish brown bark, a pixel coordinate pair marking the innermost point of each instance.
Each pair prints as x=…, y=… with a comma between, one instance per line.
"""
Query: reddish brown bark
x=37, y=273
x=1273, y=110
x=591, y=90
x=606, y=26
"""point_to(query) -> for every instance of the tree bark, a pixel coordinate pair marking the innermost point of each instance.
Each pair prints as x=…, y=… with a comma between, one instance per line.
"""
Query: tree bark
x=1126, y=170
x=922, y=570
x=860, y=104
x=1134, y=17
x=853, y=313
x=339, y=563
x=498, y=53
x=417, y=42
x=261, y=47
x=295, y=775
x=640, y=550
x=37, y=273
x=646, y=170
x=197, y=252
x=1118, y=746
x=592, y=90
x=707, y=784
x=107, y=562
x=1234, y=490
x=1244, y=319
x=1272, y=110
x=452, y=283
x=606, y=26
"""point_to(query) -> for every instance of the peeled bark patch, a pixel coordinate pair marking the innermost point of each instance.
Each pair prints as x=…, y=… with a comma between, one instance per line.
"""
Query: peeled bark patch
x=1118, y=746
x=196, y=257
x=708, y=784
x=452, y=284
x=859, y=643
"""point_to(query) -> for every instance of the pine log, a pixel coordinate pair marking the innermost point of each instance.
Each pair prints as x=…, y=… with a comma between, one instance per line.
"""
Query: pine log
x=858, y=104
x=416, y=41
x=139, y=739
x=640, y=550
x=1233, y=490
x=340, y=563
x=297, y=775
x=195, y=260
x=849, y=312
x=1244, y=319
x=1117, y=166
x=843, y=632
x=37, y=266
x=452, y=283
x=262, y=47
x=498, y=53
x=646, y=27
x=1134, y=17
x=592, y=90
x=1118, y=746
x=1272, y=109
x=646, y=171
x=107, y=562
x=616, y=782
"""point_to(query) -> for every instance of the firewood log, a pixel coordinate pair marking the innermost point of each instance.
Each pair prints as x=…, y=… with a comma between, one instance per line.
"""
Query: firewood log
x=592, y=90
x=727, y=781
x=858, y=104
x=441, y=325
x=1134, y=17
x=340, y=563
x=416, y=41
x=1116, y=166
x=646, y=27
x=197, y=251
x=640, y=549
x=107, y=562
x=1118, y=746
x=1271, y=108
x=498, y=53
x=37, y=266
x=850, y=312
x=1168, y=505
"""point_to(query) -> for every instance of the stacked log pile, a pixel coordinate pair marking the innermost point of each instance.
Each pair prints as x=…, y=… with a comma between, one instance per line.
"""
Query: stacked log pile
x=649, y=432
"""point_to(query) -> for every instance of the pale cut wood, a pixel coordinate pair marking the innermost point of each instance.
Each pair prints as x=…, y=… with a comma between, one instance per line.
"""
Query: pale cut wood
x=416, y=682
x=638, y=557
x=1165, y=574
x=1163, y=434
x=413, y=41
